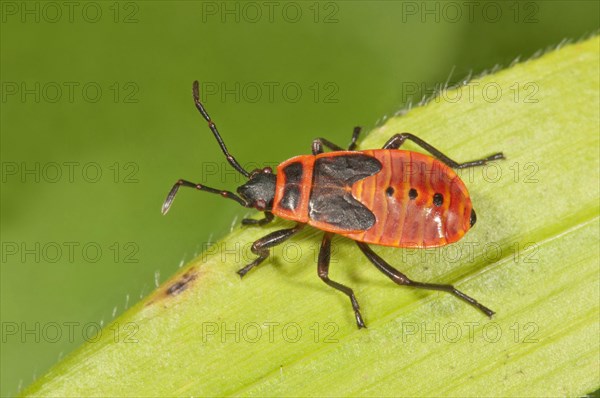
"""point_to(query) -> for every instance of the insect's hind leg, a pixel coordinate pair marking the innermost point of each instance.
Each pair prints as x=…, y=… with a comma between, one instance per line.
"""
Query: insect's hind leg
x=402, y=279
x=397, y=140
x=323, y=270
x=261, y=246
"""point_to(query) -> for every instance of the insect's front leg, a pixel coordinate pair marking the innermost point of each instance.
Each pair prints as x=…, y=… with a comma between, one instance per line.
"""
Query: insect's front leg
x=261, y=246
x=263, y=221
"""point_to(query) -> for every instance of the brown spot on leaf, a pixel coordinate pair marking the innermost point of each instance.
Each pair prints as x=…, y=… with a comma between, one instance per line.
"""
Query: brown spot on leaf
x=181, y=284
x=176, y=287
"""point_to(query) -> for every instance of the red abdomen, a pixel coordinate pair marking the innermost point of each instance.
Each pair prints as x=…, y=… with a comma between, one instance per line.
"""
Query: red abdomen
x=438, y=214
x=385, y=197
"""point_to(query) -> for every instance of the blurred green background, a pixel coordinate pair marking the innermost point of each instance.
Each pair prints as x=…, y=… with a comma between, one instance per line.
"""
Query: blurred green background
x=97, y=123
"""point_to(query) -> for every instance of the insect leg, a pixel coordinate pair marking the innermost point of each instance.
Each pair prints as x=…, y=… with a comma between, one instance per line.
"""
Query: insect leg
x=397, y=140
x=263, y=221
x=355, y=134
x=200, y=187
x=318, y=143
x=323, y=270
x=402, y=279
x=261, y=246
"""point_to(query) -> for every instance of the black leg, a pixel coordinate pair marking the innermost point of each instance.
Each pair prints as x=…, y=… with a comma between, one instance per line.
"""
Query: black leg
x=402, y=279
x=184, y=183
x=318, y=143
x=355, y=134
x=397, y=140
x=261, y=246
x=324, y=256
x=263, y=221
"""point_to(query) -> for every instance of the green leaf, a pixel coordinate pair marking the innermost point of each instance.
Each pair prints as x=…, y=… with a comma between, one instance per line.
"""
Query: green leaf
x=532, y=257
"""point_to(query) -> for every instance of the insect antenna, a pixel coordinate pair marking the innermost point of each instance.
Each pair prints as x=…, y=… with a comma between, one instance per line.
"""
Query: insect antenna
x=213, y=128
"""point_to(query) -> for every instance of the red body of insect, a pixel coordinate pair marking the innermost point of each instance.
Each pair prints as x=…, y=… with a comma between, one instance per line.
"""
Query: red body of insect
x=417, y=201
x=386, y=196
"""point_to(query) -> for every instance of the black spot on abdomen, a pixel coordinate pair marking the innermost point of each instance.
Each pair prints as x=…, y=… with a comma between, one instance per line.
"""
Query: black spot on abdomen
x=473, y=217
x=412, y=194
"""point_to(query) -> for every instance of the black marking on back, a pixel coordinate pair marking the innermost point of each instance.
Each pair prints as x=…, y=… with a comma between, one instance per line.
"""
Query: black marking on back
x=331, y=200
x=438, y=199
x=293, y=173
x=291, y=191
x=291, y=197
x=344, y=170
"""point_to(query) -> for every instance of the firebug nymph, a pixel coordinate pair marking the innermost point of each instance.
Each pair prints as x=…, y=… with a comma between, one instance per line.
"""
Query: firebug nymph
x=385, y=196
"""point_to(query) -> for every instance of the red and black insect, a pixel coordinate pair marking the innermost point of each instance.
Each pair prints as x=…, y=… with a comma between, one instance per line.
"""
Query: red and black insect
x=384, y=196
